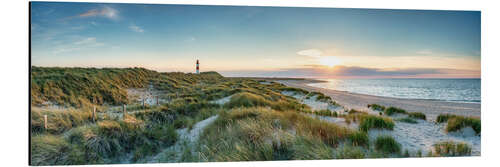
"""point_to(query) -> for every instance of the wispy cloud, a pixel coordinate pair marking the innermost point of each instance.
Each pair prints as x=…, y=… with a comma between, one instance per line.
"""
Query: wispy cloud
x=88, y=40
x=315, y=53
x=107, y=12
x=136, y=28
x=318, y=71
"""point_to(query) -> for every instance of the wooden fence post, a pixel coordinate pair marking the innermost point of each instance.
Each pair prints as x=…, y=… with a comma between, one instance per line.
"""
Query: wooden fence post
x=124, y=110
x=45, y=121
x=143, y=103
x=93, y=114
x=157, y=102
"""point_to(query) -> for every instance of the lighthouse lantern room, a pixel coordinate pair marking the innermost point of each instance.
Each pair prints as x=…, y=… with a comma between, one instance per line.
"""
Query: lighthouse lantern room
x=197, y=66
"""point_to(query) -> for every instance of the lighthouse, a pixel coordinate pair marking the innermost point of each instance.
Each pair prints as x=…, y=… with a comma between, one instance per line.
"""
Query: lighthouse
x=197, y=67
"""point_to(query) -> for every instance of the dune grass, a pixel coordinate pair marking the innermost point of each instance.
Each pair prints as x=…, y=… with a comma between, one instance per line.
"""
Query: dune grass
x=326, y=113
x=375, y=122
x=394, y=110
x=376, y=107
x=451, y=148
x=456, y=122
x=102, y=142
x=407, y=120
x=368, y=121
x=459, y=122
x=417, y=115
x=441, y=118
x=245, y=134
x=58, y=120
x=387, y=145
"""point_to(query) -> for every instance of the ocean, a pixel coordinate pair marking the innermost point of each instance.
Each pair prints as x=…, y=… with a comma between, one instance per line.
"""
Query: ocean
x=454, y=90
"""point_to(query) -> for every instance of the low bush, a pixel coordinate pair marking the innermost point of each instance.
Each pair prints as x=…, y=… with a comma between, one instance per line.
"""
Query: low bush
x=387, y=145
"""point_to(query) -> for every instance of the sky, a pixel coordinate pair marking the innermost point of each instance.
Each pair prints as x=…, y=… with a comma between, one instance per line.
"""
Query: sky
x=258, y=41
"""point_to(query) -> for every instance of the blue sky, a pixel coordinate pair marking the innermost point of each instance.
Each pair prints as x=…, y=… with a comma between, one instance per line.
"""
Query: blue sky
x=258, y=41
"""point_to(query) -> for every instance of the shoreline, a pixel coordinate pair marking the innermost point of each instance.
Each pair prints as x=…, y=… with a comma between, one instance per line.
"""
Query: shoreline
x=358, y=101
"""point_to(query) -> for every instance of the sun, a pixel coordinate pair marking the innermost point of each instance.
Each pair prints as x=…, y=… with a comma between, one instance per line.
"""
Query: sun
x=329, y=61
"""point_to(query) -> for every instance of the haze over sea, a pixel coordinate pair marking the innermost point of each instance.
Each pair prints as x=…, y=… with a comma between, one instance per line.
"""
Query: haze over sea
x=454, y=90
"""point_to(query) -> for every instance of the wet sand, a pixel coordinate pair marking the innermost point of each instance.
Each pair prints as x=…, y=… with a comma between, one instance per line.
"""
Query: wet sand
x=432, y=108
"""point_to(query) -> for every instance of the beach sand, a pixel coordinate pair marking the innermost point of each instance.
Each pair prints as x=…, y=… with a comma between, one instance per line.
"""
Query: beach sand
x=413, y=137
x=432, y=108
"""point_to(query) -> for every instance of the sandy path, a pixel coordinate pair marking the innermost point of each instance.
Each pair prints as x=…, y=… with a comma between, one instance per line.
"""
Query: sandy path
x=187, y=139
x=431, y=108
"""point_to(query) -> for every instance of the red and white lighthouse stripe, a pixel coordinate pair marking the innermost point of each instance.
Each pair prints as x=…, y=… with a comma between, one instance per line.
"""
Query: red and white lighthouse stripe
x=197, y=67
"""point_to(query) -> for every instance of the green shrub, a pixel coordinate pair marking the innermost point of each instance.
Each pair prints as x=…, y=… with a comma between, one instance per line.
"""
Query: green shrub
x=393, y=110
x=387, y=145
x=451, y=148
x=376, y=107
x=417, y=115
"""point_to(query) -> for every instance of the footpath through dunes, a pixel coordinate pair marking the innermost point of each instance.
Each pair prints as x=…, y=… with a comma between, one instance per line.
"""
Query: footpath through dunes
x=431, y=108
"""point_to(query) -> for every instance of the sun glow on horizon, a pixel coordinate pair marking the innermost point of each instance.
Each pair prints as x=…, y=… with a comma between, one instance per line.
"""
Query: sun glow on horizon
x=330, y=61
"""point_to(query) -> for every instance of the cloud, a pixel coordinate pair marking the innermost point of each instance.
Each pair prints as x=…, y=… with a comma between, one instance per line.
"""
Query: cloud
x=315, y=53
x=106, y=12
x=318, y=71
x=88, y=40
x=136, y=28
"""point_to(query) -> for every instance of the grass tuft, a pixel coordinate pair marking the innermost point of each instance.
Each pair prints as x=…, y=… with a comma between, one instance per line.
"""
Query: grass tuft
x=394, y=110
x=407, y=120
x=456, y=122
x=417, y=115
x=387, y=145
x=368, y=122
x=376, y=107
x=451, y=148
